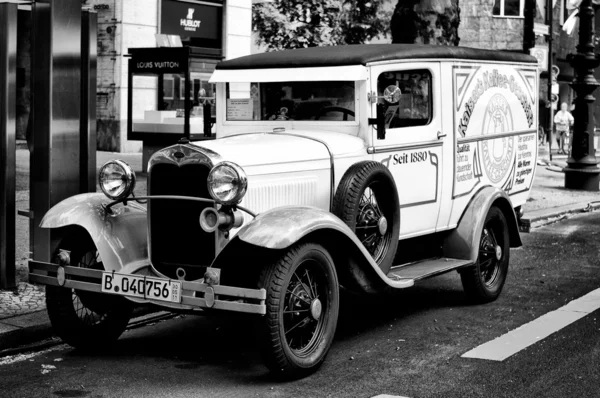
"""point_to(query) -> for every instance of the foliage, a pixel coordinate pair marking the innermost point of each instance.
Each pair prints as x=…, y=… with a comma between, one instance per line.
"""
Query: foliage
x=285, y=24
x=426, y=22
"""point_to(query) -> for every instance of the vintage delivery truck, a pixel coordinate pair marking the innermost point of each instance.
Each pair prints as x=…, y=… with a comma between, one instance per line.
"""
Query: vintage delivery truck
x=367, y=168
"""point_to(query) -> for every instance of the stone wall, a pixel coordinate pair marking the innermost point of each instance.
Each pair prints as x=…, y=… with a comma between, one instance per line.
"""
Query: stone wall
x=109, y=61
x=122, y=24
x=479, y=29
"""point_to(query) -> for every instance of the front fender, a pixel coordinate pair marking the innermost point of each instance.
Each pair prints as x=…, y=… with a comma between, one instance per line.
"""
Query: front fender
x=120, y=236
x=463, y=242
x=281, y=227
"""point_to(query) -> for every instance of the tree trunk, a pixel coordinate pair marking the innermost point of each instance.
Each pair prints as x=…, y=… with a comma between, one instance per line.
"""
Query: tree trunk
x=426, y=22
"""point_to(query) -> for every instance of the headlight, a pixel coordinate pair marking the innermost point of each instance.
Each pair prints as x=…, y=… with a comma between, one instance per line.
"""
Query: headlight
x=117, y=179
x=227, y=183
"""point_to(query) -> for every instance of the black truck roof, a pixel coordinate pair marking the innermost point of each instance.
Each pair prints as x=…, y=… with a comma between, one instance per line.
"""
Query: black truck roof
x=362, y=54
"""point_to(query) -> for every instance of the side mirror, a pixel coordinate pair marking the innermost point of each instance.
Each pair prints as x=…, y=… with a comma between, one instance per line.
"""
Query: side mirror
x=379, y=122
x=392, y=94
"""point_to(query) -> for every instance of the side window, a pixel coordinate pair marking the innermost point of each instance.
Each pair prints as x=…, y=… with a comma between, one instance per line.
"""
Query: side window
x=415, y=107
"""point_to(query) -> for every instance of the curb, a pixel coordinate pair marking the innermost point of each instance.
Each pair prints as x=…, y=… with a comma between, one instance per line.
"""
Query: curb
x=31, y=331
x=24, y=329
x=543, y=217
x=559, y=163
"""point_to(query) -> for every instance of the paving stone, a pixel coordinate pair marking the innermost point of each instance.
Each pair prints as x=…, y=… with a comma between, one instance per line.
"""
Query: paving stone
x=29, y=298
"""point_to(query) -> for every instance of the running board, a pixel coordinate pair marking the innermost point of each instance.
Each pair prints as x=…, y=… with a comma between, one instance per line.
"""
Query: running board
x=426, y=268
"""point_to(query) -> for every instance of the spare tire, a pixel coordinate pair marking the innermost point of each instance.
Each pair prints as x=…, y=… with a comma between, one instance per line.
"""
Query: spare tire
x=367, y=201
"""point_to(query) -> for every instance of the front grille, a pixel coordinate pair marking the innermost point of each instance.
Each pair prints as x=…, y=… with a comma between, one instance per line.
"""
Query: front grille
x=175, y=237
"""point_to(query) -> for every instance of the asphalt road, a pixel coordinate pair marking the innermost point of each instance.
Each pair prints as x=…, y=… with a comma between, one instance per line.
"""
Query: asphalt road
x=408, y=345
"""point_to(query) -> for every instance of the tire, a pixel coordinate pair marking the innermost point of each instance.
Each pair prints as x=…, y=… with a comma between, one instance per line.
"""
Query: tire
x=371, y=184
x=82, y=319
x=484, y=281
x=295, y=344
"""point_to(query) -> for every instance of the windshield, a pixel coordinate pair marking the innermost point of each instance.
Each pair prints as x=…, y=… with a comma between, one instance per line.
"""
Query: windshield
x=324, y=101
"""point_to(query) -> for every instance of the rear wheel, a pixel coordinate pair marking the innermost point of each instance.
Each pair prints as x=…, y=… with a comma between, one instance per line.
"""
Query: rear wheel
x=302, y=310
x=83, y=319
x=484, y=281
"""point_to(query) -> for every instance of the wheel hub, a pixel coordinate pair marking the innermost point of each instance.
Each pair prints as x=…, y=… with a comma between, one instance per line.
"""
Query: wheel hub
x=367, y=216
x=299, y=297
x=382, y=225
x=316, y=309
x=498, y=252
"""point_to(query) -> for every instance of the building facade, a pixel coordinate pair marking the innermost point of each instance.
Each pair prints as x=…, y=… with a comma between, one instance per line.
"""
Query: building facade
x=499, y=24
x=215, y=28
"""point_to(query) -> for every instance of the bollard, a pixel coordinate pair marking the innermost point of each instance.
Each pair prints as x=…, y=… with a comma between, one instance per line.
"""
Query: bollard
x=56, y=108
x=8, y=77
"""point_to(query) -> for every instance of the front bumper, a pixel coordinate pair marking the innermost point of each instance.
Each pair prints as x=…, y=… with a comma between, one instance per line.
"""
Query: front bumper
x=194, y=295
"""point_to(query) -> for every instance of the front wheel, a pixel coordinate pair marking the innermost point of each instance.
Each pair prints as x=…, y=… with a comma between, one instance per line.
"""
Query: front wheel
x=302, y=310
x=484, y=281
x=83, y=319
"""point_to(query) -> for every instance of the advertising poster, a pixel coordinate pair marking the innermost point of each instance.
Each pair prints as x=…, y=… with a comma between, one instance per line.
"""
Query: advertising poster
x=495, y=101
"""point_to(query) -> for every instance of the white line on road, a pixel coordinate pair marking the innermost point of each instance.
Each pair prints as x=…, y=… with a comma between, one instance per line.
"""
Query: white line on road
x=388, y=396
x=23, y=357
x=518, y=339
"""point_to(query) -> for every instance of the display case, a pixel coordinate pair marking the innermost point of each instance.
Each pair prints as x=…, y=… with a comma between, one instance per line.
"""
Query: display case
x=169, y=96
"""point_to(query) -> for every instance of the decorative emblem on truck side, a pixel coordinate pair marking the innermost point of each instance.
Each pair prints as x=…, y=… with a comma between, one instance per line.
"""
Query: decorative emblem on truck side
x=497, y=154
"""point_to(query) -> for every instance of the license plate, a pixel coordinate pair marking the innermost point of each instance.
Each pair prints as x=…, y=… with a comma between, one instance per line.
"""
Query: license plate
x=142, y=287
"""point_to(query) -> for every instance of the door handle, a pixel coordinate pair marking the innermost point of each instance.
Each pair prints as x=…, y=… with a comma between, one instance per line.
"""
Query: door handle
x=441, y=135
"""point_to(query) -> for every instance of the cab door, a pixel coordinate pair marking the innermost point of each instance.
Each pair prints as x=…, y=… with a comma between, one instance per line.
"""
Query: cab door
x=414, y=142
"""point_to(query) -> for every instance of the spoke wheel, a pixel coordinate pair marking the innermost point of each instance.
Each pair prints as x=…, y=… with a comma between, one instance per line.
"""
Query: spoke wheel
x=302, y=310
x=83, y=319
x=489, y=256
x=372, y=226
x=89, y=307
x=484, y=281
x=367, y=201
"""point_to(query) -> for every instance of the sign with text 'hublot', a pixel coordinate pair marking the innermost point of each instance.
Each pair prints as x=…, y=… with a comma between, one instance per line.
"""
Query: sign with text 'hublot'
x=197, y=21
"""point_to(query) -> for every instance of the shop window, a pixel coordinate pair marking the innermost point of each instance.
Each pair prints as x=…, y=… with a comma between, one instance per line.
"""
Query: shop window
x=415, y=107
x=159, y=102
x=508, y=8
x=173, y=92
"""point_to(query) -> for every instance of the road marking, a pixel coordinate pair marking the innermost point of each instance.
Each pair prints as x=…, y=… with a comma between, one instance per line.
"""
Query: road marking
x=522, y=337
x=388, y=396
x=9, y=360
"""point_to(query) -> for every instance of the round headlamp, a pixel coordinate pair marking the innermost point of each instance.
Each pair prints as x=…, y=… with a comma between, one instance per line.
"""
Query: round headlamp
x=227, y=183
x=117, y=179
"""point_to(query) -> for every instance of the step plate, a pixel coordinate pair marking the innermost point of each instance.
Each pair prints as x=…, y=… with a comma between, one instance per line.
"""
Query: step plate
x=427, y=268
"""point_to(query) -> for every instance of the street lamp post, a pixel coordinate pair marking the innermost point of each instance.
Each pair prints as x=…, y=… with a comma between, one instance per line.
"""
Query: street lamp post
x=582, y=170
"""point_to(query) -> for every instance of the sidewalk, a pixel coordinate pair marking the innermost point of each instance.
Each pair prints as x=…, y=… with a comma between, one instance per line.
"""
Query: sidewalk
x=22, y=313
x=550, y=200
x=23, y=316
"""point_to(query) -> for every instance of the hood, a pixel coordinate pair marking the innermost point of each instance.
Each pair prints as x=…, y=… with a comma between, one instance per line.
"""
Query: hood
x=257, y=149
